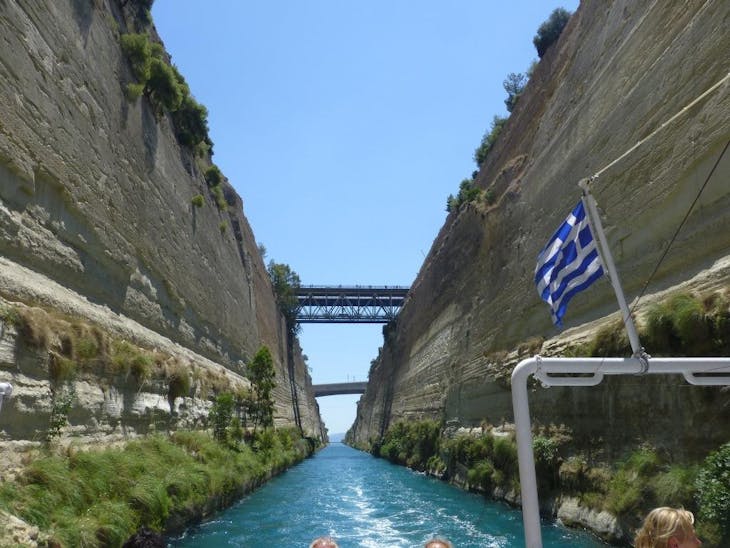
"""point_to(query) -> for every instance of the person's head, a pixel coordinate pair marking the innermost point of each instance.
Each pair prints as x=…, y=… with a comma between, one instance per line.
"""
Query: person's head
x=438, y=543
x=668, y=528
x=323, y=542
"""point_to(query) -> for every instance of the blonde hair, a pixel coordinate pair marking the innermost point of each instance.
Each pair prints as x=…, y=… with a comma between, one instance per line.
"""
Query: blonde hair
x=323, y=542
x=662, y=524
x=438, y=543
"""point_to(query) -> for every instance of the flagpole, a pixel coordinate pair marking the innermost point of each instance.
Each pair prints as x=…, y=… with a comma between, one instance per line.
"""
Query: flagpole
x=594, y=220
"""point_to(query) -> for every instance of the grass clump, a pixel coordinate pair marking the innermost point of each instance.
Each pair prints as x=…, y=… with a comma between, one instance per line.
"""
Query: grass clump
x=220, y=197
x=685, y=325
x=682, y=325
x=127, y=359
x=198, y=200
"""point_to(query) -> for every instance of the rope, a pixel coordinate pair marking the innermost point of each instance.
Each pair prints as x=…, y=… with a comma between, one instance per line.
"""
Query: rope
x=686, y=216
x=661, y=127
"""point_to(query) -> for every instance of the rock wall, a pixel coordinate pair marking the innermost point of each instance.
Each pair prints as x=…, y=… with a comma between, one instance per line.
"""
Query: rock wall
x=96, y=211
x=619, y=70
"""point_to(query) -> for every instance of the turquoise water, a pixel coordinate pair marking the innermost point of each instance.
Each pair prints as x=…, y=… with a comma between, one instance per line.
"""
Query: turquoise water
x=363, y=501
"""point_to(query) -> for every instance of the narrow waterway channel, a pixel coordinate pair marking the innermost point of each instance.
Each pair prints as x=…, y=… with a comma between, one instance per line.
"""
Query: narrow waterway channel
x=364, y=501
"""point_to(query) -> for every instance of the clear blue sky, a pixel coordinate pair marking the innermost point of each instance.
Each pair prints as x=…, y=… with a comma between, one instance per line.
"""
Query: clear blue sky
x=344, y=126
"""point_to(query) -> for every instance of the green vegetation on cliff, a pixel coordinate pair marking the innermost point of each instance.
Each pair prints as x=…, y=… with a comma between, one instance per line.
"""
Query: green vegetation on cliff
x=165, y=88
x=100, y=498
x=285, y=283
x=514, y=85
x=682, y=325
x=549, y=32
x=645, y=478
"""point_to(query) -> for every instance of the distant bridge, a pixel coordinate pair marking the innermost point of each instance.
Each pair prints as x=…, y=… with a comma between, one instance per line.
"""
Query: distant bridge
x=338, y=388
x=352, y=304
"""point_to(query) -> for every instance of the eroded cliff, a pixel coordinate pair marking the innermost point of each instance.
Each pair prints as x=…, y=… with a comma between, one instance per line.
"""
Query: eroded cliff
x=98, y=224
x=619, y=71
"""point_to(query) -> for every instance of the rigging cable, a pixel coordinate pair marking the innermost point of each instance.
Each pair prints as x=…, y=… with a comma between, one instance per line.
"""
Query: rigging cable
x=676, y=232
x=661, y=127
x=666, y=123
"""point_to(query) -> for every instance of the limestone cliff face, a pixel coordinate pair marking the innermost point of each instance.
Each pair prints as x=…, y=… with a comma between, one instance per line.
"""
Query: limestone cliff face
x=95, y=197
x=619, y=70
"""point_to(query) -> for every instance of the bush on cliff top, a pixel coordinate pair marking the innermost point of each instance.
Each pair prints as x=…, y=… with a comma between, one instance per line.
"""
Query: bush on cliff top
x=166, y=89
x=549, y=32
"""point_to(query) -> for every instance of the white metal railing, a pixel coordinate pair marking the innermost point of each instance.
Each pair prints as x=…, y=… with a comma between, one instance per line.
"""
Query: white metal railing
x=587, y=372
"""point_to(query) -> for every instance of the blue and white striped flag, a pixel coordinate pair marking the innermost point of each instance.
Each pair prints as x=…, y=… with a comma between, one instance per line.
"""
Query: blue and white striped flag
x=568, y=263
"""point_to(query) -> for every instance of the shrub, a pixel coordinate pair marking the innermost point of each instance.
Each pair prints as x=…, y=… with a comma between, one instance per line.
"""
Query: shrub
x=61, y=402
x=481, y=475
x=505, y=458
x=414, y=444
x=713, y=492
x=198, y=200
x=162, y=87
x=490, y=137
x=213, y=176
x=550, y=30
x=134, y=91
x=138, y=50
x=468, y=192
x=191, y=122
x=547, y=462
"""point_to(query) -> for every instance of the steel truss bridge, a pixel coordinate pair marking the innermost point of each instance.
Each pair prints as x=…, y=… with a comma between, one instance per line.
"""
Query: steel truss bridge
x=336, y=389
x=354, y=304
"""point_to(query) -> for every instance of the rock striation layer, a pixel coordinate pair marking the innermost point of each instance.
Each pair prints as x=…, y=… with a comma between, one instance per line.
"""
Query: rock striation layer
x=96, y=217
x=619, y=71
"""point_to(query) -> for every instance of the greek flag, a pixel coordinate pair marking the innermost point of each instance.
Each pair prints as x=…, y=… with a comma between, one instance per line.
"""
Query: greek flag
x=568, y=263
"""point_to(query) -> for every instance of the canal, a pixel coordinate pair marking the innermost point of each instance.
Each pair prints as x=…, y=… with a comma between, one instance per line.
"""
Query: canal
x=363, y=501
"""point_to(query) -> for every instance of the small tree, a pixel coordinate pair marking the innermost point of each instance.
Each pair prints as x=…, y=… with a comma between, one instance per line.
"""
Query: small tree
x=285, y=282
x=549, y=32
x=514, y=85
x=261, y=373
x=221, y=415
x=191, y=122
